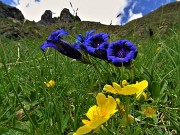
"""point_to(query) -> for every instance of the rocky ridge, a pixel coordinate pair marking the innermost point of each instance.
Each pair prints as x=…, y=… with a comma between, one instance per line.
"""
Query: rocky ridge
x=65, y=16
x=157, y=22
x=11, y=12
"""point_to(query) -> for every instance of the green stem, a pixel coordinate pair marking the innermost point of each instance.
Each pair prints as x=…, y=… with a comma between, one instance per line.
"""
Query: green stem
x=146, y=124
x=47, y=62
x=97, y=70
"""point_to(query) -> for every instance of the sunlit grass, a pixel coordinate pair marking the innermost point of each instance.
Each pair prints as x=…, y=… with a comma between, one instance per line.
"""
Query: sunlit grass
x=28, y=106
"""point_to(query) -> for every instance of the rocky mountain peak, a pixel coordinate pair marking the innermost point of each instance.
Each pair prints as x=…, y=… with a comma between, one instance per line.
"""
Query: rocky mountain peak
x=46, y=18
x=9, y=11
x=67, y=17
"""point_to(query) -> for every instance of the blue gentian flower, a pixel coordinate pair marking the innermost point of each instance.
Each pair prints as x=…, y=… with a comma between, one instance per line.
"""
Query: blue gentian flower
x=79, y=44
x=93, y=44
x=121, y=52
x=56, y=41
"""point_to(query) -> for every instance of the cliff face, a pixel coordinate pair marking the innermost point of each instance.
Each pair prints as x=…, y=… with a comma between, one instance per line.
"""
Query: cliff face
x=12, y=12
x=12, y=23
x=65, y=16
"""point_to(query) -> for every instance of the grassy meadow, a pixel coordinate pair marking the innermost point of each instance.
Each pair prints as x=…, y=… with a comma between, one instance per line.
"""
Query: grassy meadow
x=29, y=107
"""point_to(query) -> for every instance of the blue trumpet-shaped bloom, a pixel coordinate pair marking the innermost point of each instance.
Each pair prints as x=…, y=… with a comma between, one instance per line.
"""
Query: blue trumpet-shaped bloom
x=79, y=44
x=56, y=41
x=121, y=52
x=93, y=44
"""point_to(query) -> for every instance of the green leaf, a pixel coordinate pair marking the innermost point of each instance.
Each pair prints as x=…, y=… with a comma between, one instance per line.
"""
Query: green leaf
x=21, y=131
x=65, y=122
x=155, y=89
x=163, y=85
x=3, y=130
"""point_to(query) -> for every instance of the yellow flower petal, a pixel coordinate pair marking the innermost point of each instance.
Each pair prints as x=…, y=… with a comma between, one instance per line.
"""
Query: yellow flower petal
x=118, y=102
x=110, y=89
x=98, y=114
x=86, y=122
x=149, y=112
x=128, y=90
x=141, y=85
x=51, y=83
x=93, y=125
x=124, y=83
x=137, y=88
x=116, y=86
x=107, y=105
x=92, y=112
x=83, y=130
x=101, y=99
x=110, y=107
x=96, y=123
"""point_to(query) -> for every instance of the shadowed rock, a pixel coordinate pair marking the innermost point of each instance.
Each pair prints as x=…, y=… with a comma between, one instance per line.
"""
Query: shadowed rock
x=9, y=11
x=46, y=18
x=67, y=17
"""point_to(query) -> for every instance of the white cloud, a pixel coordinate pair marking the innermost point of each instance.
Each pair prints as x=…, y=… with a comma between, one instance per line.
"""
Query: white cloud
x=131, y=16
x=94, y=10
x=99, y=10
x=134, y=16
x=33, y=10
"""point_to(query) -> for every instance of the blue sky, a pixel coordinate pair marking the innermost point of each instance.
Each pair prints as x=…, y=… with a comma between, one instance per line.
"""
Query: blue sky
x=103, y=11
x=141, y=7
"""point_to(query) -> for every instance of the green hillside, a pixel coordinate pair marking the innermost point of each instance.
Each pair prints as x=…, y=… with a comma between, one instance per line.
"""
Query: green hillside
x=31, y=104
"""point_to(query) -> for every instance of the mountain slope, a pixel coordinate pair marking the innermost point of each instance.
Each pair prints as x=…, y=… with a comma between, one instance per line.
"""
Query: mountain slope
x=156, y=22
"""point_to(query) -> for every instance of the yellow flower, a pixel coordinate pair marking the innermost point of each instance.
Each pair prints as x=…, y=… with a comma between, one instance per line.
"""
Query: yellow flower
x=124, y=83
x=137, y=88
x=98, y=114
x=141, y=86
x=149, y=112
x=51, y=83
x=139, y=46
x=158, y=49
